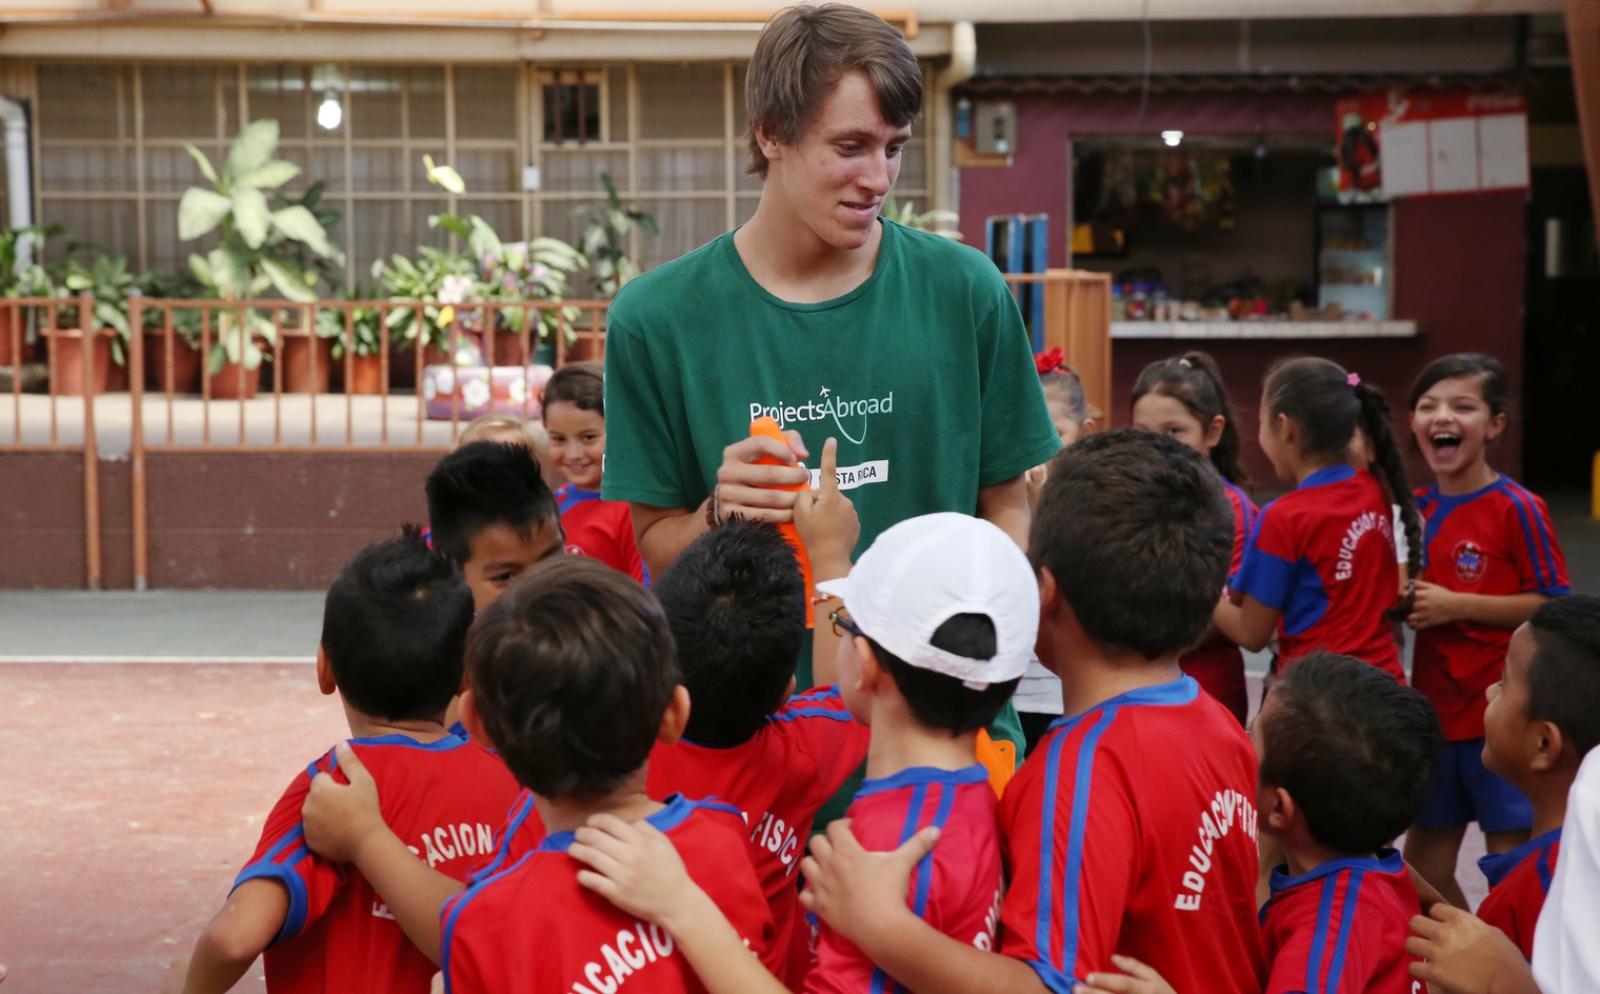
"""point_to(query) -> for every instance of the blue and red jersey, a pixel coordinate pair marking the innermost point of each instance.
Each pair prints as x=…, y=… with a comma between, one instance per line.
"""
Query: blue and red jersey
x=531, y=927
x=1341, y=928
x=1132, y=829
x=1217, y=664
x=956, y=888
x=1323, y=557
x=1497, y=542
x=778, y=779
x=599, y=529
x=443, y=799
x=1518, y=883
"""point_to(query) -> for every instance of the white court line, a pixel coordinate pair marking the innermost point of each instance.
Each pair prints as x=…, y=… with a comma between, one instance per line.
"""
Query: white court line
x=118, y=660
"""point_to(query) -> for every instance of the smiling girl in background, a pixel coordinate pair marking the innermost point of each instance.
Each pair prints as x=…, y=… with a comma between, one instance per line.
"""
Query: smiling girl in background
x=575, y=418
x=1491, y=558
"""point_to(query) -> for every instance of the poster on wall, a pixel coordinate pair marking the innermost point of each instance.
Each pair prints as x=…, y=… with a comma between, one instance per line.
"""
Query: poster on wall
x=1410, y=144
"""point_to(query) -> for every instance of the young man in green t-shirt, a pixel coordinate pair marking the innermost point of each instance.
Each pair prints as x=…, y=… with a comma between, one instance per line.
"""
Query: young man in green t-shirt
x=906, y=347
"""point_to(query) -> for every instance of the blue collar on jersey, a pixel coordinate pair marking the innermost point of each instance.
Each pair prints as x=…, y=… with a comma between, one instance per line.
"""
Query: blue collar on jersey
x=450, y=741
x=1386, y=861
x=1179, y=691
x=913, y=776
x=1328, y=474
x=1456, y=500
x=1495, y=866
x=678, y=808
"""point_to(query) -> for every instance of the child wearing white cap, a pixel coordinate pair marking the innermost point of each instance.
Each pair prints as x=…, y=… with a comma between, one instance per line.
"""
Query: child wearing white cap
x=937, y=625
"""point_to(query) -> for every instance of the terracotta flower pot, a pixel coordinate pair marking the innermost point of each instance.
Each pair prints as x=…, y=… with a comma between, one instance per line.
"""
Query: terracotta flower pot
x=403, y=363
x=184, y=376
x=226, y=384
x=66, y=362
x=299, y=352
x=365, y=375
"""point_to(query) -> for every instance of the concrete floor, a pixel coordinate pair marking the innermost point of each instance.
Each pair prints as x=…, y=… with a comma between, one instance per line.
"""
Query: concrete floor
x=290, y=416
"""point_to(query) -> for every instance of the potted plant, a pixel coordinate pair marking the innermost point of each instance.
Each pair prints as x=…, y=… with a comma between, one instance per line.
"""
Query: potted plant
x=171, y=365
x=605, y=245
x=361, y=340
x=511, y=273
x=260, y=248
x=106, y=281
x=444, y=279
x=12, y=241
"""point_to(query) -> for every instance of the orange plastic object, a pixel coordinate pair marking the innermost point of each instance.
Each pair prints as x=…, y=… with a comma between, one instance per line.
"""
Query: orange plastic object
x=769, y=427
x=999, y=757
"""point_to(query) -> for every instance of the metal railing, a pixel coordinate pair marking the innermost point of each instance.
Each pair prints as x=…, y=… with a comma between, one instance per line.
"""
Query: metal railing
x=169, y=333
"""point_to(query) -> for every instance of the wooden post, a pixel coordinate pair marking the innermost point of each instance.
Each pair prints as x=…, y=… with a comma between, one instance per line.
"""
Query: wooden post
x=1583, y=41
x=139, y=512
x=91, y=450
x=1077, y=320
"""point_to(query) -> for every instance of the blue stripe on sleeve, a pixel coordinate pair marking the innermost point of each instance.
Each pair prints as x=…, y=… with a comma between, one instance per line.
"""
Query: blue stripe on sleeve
x=270, y=868
x=519, y=814
x=947, y=800
x=1347, y=917
x=1541, y=526
x=1543, y=867
x=1540, y=576
x=1058, y=975
x=1319, y=939
x=452, y=913
x=908, y=828
x=1265, y=577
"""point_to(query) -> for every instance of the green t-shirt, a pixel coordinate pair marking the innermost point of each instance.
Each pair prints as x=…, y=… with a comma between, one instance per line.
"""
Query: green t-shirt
x=923, y=374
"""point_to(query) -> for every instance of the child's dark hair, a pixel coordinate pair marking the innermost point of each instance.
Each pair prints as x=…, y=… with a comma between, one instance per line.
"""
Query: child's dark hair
x=570, y=672
x=1353, y=746
x=482, y=484
x=1063, y=386
x=581, y=384
x=1564, y=675
x=1319, y=396
x=1491, y=376
x=394, y=626
x=942, y=702
x=1138, y=533
x=736, y=603
x=1194, y=381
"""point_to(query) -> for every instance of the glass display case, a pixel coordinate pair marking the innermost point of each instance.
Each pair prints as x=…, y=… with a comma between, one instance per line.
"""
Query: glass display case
x=1354, y=271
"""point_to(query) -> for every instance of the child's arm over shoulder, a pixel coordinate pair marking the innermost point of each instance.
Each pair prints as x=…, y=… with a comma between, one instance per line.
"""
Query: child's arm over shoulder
x=231, y=941
x=637, y=868
x=1259, y=590
x=829, y=527
x=861, y=895
x=282, y=890
x=344, y=823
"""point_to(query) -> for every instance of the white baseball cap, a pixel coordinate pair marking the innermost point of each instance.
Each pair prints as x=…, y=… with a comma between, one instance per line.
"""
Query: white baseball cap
x=924, y=571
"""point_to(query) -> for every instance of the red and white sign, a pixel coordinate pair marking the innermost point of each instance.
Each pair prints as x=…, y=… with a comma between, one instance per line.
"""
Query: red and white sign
x=1406, y=144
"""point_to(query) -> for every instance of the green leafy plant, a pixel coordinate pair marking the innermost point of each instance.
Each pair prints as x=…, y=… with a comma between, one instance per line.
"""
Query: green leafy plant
x=176, y=285
x=260, y=246
x=104, y=277
x=366, y=332
x=605, y=238
x=937, y=222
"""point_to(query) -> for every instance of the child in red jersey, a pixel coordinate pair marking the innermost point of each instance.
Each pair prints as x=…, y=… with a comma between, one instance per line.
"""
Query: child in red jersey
x=1542, y=720
x=573, y=677
x=1131, y=829
x=1346, y=758
x=1491, y=558
x=1319, y=569
x=575, y=417
x=1184, y=398
x=392, y=635
x=937, y=625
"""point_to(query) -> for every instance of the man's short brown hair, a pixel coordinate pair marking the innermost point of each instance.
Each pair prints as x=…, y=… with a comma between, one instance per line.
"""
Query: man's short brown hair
x=803, y=53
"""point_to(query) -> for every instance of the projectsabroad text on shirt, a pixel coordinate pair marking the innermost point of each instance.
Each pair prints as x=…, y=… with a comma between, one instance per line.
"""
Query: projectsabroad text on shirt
x=851, y=417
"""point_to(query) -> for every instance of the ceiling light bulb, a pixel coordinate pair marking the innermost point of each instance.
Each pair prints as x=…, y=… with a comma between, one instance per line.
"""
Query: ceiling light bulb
x=329, y=114
x=1172, y=138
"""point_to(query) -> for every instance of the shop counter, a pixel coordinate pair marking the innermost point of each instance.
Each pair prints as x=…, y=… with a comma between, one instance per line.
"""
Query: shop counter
x=1297, y=330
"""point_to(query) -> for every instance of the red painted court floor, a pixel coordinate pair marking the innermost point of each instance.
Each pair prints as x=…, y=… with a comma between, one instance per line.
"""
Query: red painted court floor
x=130, y=795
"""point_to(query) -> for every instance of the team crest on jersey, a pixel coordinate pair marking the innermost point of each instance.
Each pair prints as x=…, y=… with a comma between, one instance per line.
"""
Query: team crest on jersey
x=1470, y=561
